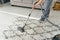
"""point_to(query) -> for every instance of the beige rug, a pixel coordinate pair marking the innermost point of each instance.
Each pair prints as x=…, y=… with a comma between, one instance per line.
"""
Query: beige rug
x=34, y=30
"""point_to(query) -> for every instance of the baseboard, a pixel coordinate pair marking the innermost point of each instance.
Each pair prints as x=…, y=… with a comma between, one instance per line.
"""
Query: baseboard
x=26, y=7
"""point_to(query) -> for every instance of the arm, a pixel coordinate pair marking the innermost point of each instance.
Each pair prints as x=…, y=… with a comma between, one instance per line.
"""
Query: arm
x=37, y=3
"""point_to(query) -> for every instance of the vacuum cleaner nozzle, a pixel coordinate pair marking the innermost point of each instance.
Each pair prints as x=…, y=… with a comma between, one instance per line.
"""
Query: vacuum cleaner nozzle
x=21, y=29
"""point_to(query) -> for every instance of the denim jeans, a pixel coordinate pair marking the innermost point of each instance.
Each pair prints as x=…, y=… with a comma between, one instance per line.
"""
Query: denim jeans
x=46, y=11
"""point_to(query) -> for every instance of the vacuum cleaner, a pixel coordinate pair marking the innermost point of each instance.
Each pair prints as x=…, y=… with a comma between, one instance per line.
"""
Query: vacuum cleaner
x=22, y=28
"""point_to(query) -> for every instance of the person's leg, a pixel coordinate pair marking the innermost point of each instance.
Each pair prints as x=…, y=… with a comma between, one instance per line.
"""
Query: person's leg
x=46, y=10
x=47, y=14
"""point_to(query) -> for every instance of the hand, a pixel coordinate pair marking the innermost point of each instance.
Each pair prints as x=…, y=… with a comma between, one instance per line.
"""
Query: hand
x=33, y=7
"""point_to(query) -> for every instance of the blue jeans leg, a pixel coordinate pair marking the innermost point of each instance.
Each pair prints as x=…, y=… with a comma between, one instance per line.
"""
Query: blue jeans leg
x=46, y=10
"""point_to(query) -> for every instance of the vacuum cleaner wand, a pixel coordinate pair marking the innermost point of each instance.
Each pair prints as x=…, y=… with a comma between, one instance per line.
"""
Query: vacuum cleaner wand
x=22, y=28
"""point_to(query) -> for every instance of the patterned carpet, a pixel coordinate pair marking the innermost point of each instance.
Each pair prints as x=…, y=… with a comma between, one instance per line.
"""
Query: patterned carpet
x=34, y=30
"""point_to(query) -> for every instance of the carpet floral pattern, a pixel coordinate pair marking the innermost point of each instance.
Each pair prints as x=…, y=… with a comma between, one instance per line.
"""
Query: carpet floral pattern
x=34, y=30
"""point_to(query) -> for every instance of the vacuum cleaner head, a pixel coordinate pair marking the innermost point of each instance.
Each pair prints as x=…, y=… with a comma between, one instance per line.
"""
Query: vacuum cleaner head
x=56, y=37
x=21, y=29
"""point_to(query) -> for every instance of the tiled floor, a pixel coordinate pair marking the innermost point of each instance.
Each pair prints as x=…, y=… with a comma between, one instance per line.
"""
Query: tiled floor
x=11, y=17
